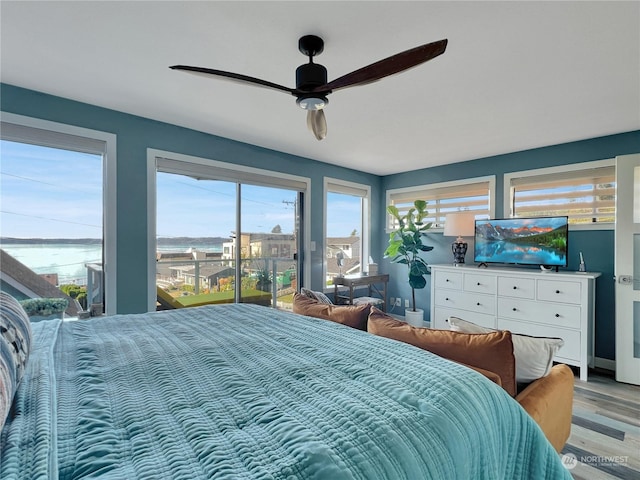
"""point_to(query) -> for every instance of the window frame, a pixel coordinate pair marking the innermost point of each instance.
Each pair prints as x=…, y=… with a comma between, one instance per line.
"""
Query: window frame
x=560, y=169
x=345, y=187
x=420, y=190
x=46, y=133
x=223, y=171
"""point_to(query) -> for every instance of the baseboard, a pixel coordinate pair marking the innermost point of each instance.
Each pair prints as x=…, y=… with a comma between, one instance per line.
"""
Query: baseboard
x=605, y=363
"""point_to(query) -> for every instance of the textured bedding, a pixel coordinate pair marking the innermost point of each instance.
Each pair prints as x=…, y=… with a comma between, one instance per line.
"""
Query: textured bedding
x=242, y=391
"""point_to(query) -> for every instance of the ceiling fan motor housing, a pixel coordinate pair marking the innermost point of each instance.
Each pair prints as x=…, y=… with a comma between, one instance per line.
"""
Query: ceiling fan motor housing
x=310, y=76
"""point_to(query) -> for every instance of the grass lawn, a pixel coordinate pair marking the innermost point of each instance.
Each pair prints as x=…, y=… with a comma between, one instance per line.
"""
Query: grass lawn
x=248, y=296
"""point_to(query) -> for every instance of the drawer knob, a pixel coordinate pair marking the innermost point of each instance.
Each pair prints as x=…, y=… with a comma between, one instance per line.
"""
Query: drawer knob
x=557, y=315
x=557, y=291
x=515, y=288
x=478, y=283
x=447, y=299
x=478, y=303
x=515, y=309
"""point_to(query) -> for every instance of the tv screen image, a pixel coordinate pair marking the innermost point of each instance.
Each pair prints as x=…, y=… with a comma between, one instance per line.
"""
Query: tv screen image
x=524, y=241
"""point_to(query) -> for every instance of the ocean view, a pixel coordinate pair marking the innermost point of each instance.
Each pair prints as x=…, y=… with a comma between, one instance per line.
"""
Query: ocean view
x=68, y=259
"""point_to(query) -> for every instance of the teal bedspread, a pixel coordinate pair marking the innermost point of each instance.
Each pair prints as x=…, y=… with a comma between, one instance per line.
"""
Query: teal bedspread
x=243, y=391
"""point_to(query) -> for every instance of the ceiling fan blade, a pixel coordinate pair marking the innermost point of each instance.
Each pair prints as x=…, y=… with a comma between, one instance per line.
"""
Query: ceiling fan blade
x=317, y=123
x=389, y=66
x=235, y=77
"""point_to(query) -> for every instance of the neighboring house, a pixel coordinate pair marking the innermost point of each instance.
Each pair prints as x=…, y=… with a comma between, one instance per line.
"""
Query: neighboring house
x=349, y=247
x=166, y=271
x=257, y=245
x=209, y=275
x=20, y=281
x=52, y=278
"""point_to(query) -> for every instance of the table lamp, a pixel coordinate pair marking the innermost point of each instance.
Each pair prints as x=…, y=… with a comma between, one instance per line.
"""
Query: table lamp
x=460, y=224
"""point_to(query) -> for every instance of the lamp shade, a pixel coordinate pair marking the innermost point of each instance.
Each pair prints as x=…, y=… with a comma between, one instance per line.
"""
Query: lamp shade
x=459, y=224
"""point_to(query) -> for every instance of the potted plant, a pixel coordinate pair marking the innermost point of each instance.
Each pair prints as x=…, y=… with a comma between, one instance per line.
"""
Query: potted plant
x=262, y=275
x=45, y=308
x=405, y=246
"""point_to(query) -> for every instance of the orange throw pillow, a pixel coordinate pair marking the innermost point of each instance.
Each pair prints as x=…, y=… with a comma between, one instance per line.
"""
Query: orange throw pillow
x=487, y=351
x=354, y=316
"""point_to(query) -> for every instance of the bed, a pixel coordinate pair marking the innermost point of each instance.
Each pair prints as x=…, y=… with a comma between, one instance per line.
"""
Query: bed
x=244, y=391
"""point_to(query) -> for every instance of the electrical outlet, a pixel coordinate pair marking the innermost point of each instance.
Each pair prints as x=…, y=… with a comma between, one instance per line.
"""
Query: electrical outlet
x=406, y=303
x=398, y=302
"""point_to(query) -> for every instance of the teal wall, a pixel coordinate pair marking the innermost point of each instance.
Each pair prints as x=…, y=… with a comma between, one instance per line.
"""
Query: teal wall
x=597, y=246
x=134, y=136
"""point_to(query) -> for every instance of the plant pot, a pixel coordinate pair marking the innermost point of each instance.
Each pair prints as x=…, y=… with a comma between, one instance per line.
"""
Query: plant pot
x=414, y=318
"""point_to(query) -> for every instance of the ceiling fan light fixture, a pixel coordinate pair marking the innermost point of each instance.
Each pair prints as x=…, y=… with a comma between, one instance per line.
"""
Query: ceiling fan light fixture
x=312, y=102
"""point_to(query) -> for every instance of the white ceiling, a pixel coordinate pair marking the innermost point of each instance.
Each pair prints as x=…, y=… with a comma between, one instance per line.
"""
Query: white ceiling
x=516, y=75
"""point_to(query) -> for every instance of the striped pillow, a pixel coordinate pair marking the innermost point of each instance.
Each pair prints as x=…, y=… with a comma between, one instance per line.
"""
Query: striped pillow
x=15, y=342
x=319, y=296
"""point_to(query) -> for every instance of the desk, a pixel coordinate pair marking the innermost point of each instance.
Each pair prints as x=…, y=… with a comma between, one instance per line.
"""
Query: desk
x=353, y=281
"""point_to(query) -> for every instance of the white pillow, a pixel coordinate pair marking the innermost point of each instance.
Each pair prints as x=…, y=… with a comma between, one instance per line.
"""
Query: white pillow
x=534, y=355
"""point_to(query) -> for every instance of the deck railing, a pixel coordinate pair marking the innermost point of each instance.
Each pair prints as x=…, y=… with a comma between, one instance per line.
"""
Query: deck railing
x=95, y=288
x=270, y=274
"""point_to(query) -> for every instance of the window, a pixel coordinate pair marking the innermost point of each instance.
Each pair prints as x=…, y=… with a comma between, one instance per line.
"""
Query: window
x=224, y=233
x=585, y=192
x=473, y=195
x=56, y=208
x=346, y=236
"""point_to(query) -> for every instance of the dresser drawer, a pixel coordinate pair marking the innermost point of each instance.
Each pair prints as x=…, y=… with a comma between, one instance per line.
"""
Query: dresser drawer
x=571, y=348
x=474, y=302
x=440, y=314
x=452, y=280
x=556, y=291
x=552, y=314
x=479, y=283
x=517, y=287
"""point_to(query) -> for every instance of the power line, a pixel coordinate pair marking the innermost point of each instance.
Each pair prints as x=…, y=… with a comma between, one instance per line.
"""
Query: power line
x=57, y=185
x=50, y=219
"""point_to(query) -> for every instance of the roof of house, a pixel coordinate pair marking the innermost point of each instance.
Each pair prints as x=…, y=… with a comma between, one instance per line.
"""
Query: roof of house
x=350, y=240
x=208, y=270
x=32, y=282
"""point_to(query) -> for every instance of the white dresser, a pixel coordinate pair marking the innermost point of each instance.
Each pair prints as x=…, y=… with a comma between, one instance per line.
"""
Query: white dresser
x=531, y=302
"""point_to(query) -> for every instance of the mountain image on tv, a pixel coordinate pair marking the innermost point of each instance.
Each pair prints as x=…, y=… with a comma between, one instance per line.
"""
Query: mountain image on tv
x=530, y=241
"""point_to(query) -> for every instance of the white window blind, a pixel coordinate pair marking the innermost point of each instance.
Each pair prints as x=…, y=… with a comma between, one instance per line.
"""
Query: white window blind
x=50, y=138
x=474, y=195
x=213, y=170
x=586, y=196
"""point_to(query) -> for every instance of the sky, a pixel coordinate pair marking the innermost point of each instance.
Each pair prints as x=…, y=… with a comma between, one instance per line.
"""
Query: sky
x=49, y=193
x=52, y=193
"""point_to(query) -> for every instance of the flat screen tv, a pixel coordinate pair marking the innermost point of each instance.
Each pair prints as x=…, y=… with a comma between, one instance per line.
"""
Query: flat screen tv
x=524, y=241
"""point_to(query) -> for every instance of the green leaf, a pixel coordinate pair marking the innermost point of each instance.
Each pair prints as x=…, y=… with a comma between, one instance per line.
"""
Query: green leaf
x=417, y=281
x=421, y=205
x=419, y=269
x=392, y=249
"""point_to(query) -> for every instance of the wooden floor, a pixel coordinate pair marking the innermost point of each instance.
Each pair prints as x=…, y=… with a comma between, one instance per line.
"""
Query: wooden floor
x=605, y=435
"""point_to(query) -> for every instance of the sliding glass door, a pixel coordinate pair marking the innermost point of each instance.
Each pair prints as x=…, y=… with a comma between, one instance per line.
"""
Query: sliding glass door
x=223, y=241
x=269, y=244
x=195, y=221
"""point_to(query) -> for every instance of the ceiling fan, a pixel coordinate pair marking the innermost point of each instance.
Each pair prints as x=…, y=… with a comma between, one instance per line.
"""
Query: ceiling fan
x=312, y=87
